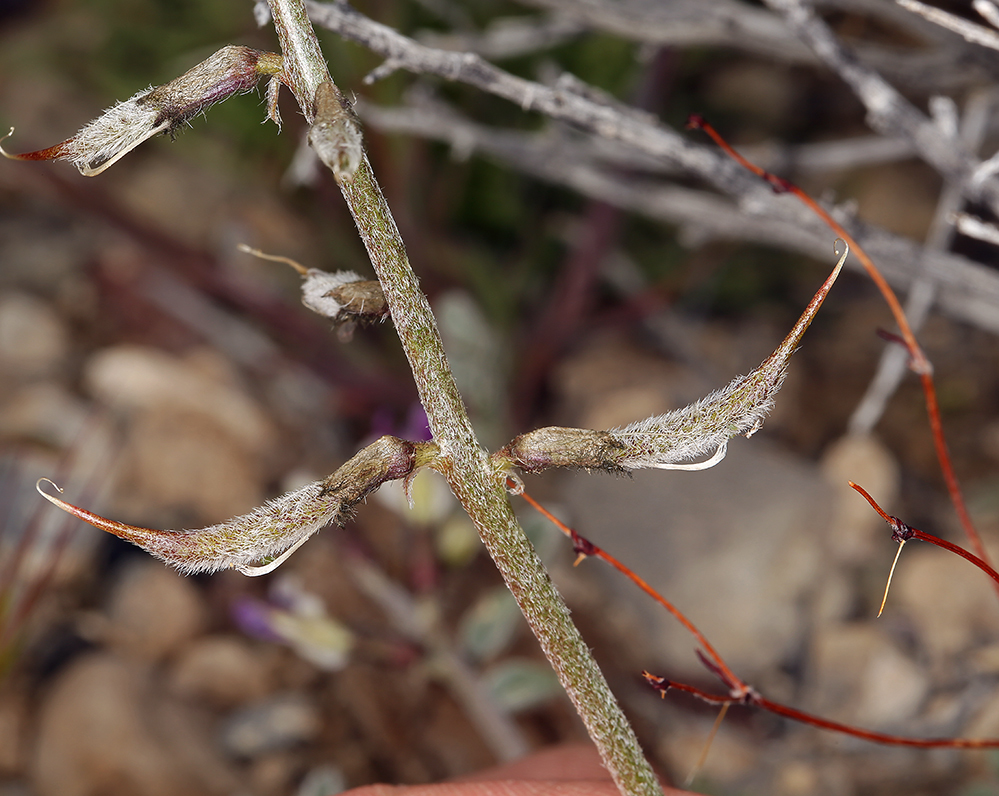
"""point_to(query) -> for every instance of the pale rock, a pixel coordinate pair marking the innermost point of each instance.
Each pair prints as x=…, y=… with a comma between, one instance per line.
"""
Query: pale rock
x=154, y=611
x=182, y=462
x=33, y=339
x=737, y=548
x=951, y=603
x=611, y=383
x=858, y=676
x=985, y=721
x=986, y=659
x=44, y=412
x=138, y=377
x=856, y=528
x=105, y=730
x=275, y=773
x=279, y=722
x=798, y=778
x=221, y=670
x=732, y=756
x=13, y=731
x=196, y=441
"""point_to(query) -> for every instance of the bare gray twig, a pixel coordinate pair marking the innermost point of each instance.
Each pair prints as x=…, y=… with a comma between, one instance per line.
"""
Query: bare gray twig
x=894, y=360
x=888, y=111
x=967, y=290
x=967, y=30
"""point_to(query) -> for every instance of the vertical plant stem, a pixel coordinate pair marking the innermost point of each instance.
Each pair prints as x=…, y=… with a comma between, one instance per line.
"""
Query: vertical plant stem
x=304, y=66
x=463, y=462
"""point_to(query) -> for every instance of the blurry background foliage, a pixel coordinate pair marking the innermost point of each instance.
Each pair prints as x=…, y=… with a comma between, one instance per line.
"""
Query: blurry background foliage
x=475, y=224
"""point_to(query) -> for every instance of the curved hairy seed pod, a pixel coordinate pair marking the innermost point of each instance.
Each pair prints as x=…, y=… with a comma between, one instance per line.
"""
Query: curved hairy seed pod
x=673, y=440
x=280, y=525
x=707, y=425
x=162, y=109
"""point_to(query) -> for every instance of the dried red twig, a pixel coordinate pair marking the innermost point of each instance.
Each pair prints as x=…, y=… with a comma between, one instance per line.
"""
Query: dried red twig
x=918, y=361
x=752, y=699
x=741, y=693
x=902, y=532
x=584, y=548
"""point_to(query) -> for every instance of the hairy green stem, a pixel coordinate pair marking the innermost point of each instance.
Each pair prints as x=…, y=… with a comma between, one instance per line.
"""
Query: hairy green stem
x=304, y=65
x=467, y=467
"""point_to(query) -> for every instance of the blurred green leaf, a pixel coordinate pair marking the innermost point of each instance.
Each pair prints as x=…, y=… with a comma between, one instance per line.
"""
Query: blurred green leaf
x=489, y=626
x=518, y=684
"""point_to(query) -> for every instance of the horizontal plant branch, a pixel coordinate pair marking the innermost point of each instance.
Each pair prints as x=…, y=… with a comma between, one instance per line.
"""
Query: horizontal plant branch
x=888, y=111
x=968, y=291
x=941, y=62
x=739, y=692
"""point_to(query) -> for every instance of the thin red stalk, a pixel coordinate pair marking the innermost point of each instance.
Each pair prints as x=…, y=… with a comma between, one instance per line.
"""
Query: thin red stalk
x=874, y=504
x=752, y=699
x=739, y=692
x=903, y=532
x=590, y=549
x=918, y=360
x=978, y=562
x=870, y=735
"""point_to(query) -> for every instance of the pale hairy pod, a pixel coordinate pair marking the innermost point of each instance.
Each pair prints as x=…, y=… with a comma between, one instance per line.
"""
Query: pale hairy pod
x=336, y=132
x=279, y=526
x=672, y=441
x=343, y=296
x=163, y=109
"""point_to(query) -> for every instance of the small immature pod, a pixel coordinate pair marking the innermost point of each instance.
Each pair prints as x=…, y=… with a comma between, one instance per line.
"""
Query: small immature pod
x=343, y=296
x=336, y=132
x=678, y=439
x=555, y=446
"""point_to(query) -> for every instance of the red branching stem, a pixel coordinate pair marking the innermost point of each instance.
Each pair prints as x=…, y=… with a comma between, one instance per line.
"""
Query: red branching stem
x=869, y=735
x=901, y=532
x=943, y=455
x=978, y=562
x=719, y=667
x=739, y=692
x=662, y=685
x=918, y=362
x=753, y=699
x=872, y=501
